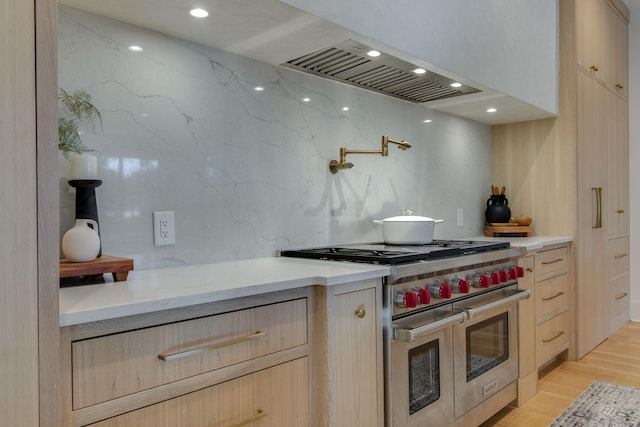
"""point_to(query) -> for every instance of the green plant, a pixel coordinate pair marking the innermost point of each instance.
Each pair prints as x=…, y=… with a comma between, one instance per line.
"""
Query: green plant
x=74, y=108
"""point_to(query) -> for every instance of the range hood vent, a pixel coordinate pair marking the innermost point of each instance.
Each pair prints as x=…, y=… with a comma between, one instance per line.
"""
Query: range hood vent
x=348, y=62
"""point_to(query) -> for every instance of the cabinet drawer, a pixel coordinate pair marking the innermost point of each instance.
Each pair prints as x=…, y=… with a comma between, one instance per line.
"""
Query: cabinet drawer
x=552, y=297
x=552, y=338
x=111, y=366
x=618, y=254
x=552, y=261
x=274, y=397
x=619, y=301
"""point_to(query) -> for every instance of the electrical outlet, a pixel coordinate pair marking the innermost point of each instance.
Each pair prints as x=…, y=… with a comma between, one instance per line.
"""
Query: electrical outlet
x=460, y=214
x=164, y=228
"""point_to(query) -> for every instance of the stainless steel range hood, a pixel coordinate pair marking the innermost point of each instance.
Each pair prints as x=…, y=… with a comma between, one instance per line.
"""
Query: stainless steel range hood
x=348, y=62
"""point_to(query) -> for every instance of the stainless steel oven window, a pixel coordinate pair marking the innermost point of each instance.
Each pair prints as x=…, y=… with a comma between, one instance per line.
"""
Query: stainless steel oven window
x=487, y=345
x=424, y=376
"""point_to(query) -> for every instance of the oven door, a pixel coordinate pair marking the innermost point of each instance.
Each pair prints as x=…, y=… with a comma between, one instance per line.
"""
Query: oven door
x=420, y=370
x=486, y=347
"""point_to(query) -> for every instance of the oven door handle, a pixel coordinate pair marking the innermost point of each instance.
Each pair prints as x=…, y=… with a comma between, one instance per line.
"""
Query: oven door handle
x=517, y=296
x=409, y=335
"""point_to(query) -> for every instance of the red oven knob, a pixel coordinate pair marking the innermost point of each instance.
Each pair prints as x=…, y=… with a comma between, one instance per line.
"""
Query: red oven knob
x=406, y=299
x=424, y=297
x=441, y=290
x=504, y=276
x=481, y=281
x=520, y=271
x=460, y=286
x=513, y=273
x=495, y=278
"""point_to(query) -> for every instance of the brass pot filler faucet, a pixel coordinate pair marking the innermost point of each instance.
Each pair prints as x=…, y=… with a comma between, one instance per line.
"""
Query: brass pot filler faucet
x=335, y=166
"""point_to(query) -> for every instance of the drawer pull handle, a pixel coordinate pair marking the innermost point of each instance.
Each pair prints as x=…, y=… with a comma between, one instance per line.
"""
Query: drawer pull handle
x=552, y=262
x=261, y=414
x=166, y=357
x=530, y=270
x=361, y=311
x=621, y=296
x=558, y=335
x=618, y=256
x=555, y=296
x=620, y=211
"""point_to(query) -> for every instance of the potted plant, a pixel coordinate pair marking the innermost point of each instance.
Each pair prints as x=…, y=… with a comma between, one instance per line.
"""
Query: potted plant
x=73, y=109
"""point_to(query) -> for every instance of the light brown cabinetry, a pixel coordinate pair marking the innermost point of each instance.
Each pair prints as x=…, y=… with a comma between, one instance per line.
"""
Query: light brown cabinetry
x=552, y=303
x=543, y=319
x=570, y=173
x=618, y=290
x=218, y=364
x=348, y=333
x=618, y=50
x=273, y=397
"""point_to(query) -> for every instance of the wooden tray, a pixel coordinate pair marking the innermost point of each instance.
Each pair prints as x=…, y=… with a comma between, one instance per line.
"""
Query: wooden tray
x=119, y=267
x=511, y=230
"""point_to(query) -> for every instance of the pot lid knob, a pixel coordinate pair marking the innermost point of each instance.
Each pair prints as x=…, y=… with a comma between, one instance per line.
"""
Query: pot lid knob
x=407, y=212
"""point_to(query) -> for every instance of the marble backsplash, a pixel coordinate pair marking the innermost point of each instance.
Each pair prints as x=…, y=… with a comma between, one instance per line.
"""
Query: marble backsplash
x=246, y=170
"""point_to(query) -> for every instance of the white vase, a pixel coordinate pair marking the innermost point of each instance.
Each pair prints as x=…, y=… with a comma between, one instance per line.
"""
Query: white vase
x=81, y=243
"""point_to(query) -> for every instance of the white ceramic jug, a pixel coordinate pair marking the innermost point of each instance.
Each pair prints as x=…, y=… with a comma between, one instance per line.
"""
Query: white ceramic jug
x=81, y=243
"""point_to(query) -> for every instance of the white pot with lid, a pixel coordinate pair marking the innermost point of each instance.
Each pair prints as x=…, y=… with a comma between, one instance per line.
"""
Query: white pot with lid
x=408, y=229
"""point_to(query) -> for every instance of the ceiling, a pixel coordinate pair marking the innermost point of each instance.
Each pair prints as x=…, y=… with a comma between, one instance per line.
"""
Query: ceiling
x=273, y=32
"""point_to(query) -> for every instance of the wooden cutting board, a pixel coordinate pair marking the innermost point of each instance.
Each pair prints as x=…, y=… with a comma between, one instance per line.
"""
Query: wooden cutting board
x=117, y=266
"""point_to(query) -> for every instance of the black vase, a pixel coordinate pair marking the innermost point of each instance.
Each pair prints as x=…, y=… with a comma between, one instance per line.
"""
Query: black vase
x=497, y=209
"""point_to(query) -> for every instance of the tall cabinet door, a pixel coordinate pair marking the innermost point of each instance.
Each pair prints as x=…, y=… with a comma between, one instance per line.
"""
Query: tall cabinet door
x=592, y=192
x=618, y=144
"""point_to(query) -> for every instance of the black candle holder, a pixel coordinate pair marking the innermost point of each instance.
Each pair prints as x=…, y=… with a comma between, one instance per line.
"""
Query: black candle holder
x=86, y=206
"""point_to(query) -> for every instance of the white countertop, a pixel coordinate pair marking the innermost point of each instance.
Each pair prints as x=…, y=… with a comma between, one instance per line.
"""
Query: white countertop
x=146, y=291
x=529, y=243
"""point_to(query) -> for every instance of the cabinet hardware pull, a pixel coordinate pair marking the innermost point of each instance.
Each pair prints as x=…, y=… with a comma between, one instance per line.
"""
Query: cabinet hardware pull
x=166, y=357
x=598, y=191
x=555, y=296
x=261, y=414
x=620, y=86
x=558, y=335
x=361, y=311
x=594, y=68
x=620, y=211
x=552, y=262
x=530, y=270
x=618, y=256
x=621, y=296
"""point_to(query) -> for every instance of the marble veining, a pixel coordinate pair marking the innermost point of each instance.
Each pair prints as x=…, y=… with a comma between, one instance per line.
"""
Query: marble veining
x=246, y=171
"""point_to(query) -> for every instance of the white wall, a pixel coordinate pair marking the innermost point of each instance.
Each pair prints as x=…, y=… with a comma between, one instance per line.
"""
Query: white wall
x=634, y=154
x=497, y=43
x=246, y=172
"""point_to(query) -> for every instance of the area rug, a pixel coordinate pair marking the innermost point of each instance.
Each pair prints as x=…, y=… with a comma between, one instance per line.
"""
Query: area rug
x=603, y=404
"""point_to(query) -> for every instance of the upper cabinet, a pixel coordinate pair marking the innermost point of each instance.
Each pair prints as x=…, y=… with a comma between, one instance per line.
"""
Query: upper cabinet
x=602, y=42
x=618, y=55
x=591, y=36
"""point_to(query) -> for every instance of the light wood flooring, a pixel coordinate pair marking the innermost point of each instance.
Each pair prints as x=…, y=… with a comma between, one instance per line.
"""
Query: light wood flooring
x=616, y=360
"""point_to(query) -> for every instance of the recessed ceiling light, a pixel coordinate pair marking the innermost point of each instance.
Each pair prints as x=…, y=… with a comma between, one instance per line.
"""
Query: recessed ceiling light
x=419, y=71
x=427, y=121
x=373, y=53
x=135, y=48
x=345, y=108
x=306, y=99
x=491, y=110
x=258, y=88
x=199, y=13
x=456, y=84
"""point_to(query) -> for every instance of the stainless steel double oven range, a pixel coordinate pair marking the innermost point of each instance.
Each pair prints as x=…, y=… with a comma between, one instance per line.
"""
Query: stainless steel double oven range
x=450, y=328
